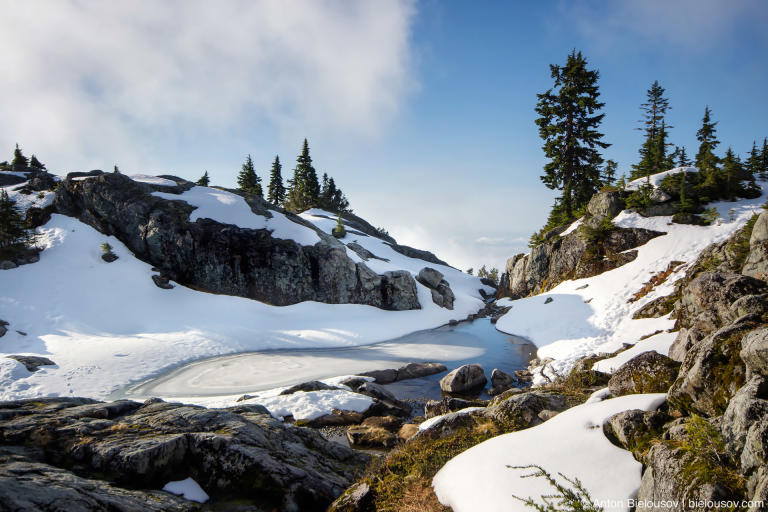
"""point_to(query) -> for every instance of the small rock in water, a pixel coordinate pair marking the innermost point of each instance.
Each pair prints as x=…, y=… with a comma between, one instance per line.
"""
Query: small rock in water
x=469, y=378
x=500, y=382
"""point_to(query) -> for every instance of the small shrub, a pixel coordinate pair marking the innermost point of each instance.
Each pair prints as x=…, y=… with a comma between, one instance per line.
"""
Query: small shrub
x=711, y=215
x=566, y=497
x=708, y=458
x=41, y=195
x=640, y=198
x=338, y=229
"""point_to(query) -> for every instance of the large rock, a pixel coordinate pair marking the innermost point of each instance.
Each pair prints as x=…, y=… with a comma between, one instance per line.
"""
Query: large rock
x=446, y=405
x=32, y=363
x=632, y=429
x=649, y=372
x=429, y=277
x=755, y=351
x=605, y=205
x=26, y=484
x=665, y=487
x=747, y=408
x=500, y=382
x=706, y=301
x=358, y=498
x=469, y=378
x=409, y=371
x=685, y=339
x=756, y=264
x=527, y=409
x=227, y=259
x=711, y=372
x=237, y=454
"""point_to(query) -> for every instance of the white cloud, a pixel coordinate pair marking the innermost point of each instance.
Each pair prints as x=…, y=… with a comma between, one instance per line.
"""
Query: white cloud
x=696, y=25
x=96, y=78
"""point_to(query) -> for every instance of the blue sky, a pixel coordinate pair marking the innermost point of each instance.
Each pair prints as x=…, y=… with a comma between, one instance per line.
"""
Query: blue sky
x=422, y=111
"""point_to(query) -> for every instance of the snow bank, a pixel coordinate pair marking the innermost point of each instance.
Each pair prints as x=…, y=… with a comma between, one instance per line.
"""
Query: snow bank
x=26, y=201
x=655, y=179
x=308, y=405
x=107, y=325
x=572, y=443
x=229, y=208
x=593, y=315
x=188, y=489
x=154, y=180
x=659, y=343
x=436, y=420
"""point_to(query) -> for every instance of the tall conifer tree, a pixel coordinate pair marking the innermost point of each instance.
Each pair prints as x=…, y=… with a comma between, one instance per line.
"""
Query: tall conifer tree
x=706, y=160
x=568, y=123
x=276, y=189
x=304, y=188
x=248, y=180
x=204, y=180
x=653, y=152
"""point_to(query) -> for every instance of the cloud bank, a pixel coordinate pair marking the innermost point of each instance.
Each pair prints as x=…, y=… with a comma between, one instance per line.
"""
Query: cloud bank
x=94, y=78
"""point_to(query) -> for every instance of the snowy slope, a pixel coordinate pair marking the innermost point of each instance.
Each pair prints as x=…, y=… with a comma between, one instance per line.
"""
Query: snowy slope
x=592, y=315
x=481, y=479
x=655, y=179
x=106, y=325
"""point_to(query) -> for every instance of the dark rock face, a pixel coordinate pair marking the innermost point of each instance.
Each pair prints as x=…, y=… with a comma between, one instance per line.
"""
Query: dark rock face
x=6, y=180
x=686, y=338
x=563, y=258
x=442, y=295
x=234, y=454
x=464, y=379
x=32, y=363
x=227, y=259
x=649, y=372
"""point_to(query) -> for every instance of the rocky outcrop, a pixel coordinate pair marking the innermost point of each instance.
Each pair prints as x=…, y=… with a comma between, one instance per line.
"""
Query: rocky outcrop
x=756, y=264
x=442, y=295
x=236, y=455
x=754, y=352
x=32, y=363
x=706, y=301
x=562, y=258
x=227, y=259
x=649, y=372
x=446, y=405
x=469, y=378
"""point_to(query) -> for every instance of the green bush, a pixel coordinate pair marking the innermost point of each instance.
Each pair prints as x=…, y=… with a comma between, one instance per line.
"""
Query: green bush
x=566, y=497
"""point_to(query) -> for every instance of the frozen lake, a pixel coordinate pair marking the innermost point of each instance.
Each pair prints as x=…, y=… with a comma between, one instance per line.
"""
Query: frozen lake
x=467, y=342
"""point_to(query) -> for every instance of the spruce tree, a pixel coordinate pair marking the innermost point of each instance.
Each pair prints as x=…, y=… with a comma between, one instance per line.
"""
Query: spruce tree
x=569, y=124
x=731, y=174
x=752, y=165
x=764, y=159
x=204, y=180
x=19, y=162
x=304, y=188
x=653, y=151
x=35, y=163
x=247, y=180
x=609, y=172
x=683, y=160
x=13, y=233
x=276, y=190
x=706, y=160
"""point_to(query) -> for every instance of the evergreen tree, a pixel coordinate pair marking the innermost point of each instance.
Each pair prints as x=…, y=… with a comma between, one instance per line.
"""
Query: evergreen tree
x=247, y=180
x=706, y=160
x=331, y=197
x=753, y=161
x=19, y=162
x=115, y=169
x=685, y=205
x=731, y=174
x=35, y=163
x=764, y=159
x=568, y=124
x=276, y=190
x=13, y=232
x=304, y=188
x=609, y=172
x=663, y=162
x=653, y=150
x=204, y=180
x=683, y=160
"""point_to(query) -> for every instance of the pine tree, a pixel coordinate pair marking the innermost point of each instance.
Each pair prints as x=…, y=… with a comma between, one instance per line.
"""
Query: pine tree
x=764, y=159
x=609, y=172
x=752, y=164
x=204, y=180
x=683, y=160
x=653, y=151
x=568, y=124
x=706, y=160
x=247, y=180
x=276, y=190
x=13, y=232
x=731, y=174
x=115, y=169
x=35, y=163
x=663, y=162
x=304, y=188
x=19, y=162
x=685, y=205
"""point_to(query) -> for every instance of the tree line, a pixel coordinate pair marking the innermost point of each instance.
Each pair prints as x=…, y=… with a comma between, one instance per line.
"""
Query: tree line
x=569, y=118
x=304, y=190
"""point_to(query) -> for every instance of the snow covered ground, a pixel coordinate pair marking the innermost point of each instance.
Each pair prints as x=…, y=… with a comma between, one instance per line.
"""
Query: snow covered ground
x=571, y=443
x=655, y=179
x=106, y=325
x=593, y=315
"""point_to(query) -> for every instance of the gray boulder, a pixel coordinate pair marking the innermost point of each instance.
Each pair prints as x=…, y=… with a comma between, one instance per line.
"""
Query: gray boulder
x=358, y=498
x=659, y=196
x=446, y=405
x=747, y=407
x=429, y=277
x=711, y=373
x=32, y=363
x=526, y=409
x=605, y=205
x=706, y=301
x=629, y=429
x=418, y=370
x=500, y=382
x=469, y=378
x=3, y=328
x=649, y=372
x=685, y=339
x=755, y=352
x=756, y=264
x=313, y=385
